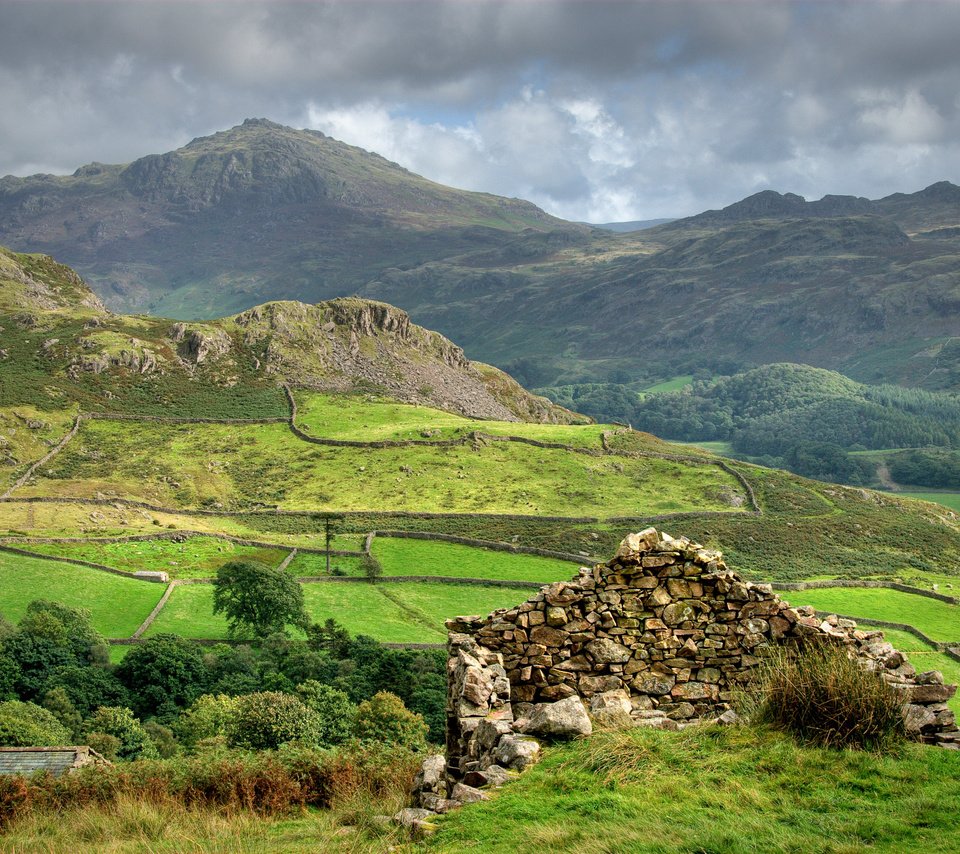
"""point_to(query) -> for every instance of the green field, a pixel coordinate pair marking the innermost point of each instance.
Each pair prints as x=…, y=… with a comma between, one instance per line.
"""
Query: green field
x=947, y=499
x=173, y=465
x=364, y=418
x=393, y=613
x=196, y=557
x=937, y=620
x=426, y=557
x=117, y=605
x=305, y=564
x=673, y=384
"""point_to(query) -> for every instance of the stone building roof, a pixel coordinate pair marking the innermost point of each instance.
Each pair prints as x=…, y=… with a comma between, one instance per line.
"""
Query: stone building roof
x=55, y=760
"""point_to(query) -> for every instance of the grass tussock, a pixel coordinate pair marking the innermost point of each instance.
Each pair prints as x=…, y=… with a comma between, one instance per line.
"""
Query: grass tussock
x=822, y=696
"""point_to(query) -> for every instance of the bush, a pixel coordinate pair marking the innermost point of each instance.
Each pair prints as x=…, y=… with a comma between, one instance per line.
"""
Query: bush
x=30, y=725
x=333, y=708
x=385, y=718
x=119, y=722
x=822, y=696
x=267, y=719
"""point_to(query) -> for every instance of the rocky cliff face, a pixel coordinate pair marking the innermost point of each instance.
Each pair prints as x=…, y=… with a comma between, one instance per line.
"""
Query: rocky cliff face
x=346, y=343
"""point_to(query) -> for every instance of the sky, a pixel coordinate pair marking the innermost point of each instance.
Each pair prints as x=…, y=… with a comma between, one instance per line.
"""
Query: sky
x=596, y=111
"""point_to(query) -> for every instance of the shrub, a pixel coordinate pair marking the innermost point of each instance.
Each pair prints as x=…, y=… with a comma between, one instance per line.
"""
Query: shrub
x=267, y=719
x=385, y=718
x=30, y=725
x=823, y=696
x=333, y=708
x=209, y=717
x=119, y=722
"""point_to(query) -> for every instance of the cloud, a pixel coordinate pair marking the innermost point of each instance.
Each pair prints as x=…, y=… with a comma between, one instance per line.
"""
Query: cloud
x=595, y=110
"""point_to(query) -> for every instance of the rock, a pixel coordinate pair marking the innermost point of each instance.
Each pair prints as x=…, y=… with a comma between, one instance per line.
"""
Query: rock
x=407, y=816
x=728, y=718
x=431, y=772
x=517, y=751
x=492, y=775
x=465, y=794
x=563, y=719
x=605, y=651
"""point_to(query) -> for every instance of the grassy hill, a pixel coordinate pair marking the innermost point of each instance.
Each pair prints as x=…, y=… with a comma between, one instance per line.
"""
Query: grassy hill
x=153, y=474
x=263, y=213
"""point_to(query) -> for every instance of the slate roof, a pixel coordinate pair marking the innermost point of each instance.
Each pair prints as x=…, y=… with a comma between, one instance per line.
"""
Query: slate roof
x=55, y=760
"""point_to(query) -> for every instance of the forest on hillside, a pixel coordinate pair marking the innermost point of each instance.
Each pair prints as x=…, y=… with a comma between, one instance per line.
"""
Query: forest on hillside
x=808, y=420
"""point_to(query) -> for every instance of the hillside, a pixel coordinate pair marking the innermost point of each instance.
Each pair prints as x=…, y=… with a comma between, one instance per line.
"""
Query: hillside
x=256, y=213
x=263, y=213
x=62, y=349
x=810, y=420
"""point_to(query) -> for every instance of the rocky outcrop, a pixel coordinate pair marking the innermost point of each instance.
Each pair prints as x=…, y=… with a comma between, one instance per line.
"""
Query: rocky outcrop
x=199, y=345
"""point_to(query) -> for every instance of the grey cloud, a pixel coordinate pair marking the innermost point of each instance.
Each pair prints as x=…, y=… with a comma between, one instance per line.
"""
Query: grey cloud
x=712, y=100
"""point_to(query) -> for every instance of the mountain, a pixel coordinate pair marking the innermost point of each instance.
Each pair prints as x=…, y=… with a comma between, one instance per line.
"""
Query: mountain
x=632, y=225
x=262, y=213
x=61, y=348
x=254, y=213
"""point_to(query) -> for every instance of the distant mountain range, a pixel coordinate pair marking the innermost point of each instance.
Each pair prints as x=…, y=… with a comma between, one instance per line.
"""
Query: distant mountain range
x=263, y=212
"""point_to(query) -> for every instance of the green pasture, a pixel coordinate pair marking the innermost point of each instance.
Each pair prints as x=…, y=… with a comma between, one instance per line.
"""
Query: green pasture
x=938, y=620
x=673, y=384
x=392, y=613
x=230, y=466
x=722, y=790
x=364, y=418
x=117, y=605
x=196, y=557
x=26, y=435
x=427, y=557
x=305, y=564
x=947, y=499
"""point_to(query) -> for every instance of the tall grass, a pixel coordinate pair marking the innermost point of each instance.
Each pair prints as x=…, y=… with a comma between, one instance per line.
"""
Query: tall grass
x=824, y=697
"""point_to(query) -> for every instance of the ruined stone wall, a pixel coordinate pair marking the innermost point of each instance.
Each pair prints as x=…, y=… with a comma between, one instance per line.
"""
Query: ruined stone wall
x=667, y=625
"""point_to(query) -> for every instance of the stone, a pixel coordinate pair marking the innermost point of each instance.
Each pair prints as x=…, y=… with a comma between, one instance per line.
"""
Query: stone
x=492, y=775
x=562, y=593
x=605, y=651
x=431, y=772
x=465, y=794
x=548, y=636
x=563, y=719
x=409, y=815
x=678, y=612
x=517, y=751
x=556, y=616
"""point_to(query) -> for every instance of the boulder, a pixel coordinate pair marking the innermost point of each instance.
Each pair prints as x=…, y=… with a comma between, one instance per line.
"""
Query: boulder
x=564, y=719
x=517, y=752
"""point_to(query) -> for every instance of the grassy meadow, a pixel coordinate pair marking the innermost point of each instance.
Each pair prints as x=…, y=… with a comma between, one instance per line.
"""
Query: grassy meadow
x=229, y=466
x=117, y=605
x=425, y=557
x=196, y=557
x=734, y=790
x=938, y=620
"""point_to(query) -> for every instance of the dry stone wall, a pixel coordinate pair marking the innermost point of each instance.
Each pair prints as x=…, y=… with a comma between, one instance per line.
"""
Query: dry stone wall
x=668, y=628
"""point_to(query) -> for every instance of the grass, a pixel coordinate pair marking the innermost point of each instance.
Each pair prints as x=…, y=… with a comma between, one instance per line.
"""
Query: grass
x=947, y=499
x=365, y=418
x=26, y=435
x=673, y=384
x=937, y=620
x=196, y=557
x=173, y=465
x=392, y=613
x=735, y=790
x=425, y=557
x=312, y=564
x=117, y=605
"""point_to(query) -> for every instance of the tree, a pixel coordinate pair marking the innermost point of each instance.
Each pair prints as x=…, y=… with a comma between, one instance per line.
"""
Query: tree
x=30, y=725
x=258, y=599
x=265, y=720
x=163, y=671
x=333, y=708
x=119, y=722
x=385, y=718
x=209, y=717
